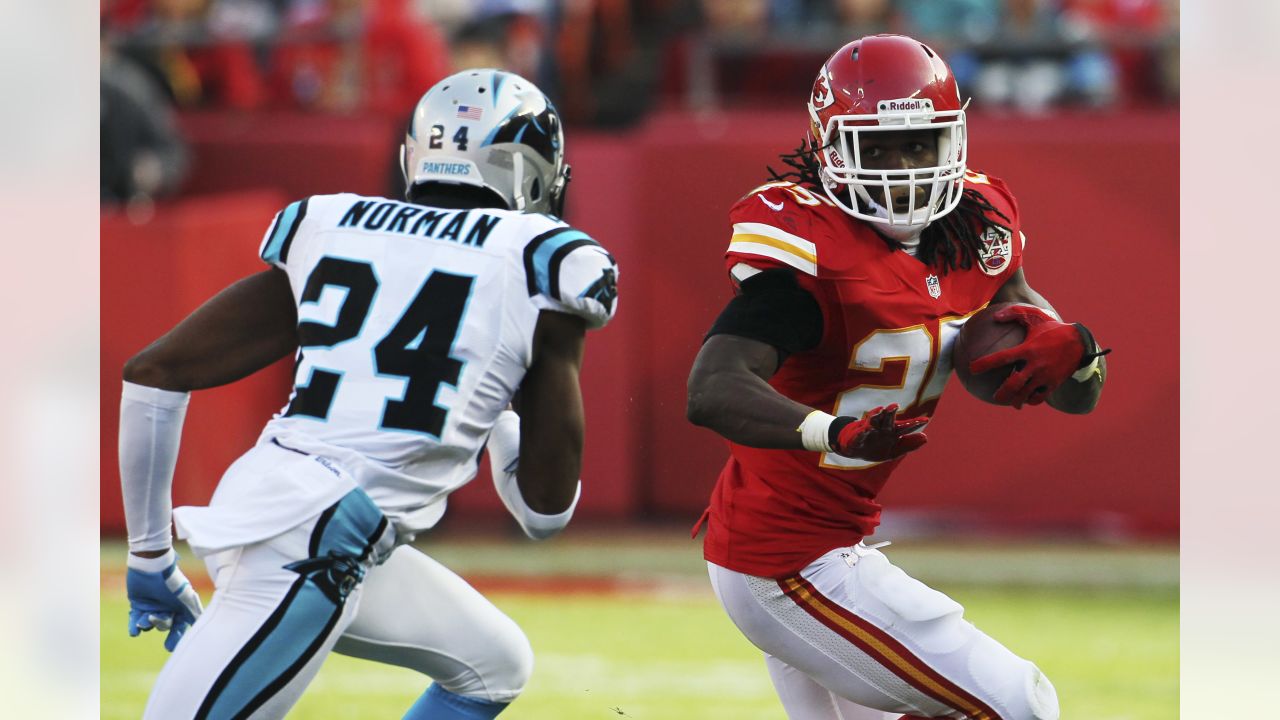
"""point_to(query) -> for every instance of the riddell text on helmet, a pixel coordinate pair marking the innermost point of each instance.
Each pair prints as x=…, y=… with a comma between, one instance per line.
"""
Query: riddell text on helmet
x=901, y=105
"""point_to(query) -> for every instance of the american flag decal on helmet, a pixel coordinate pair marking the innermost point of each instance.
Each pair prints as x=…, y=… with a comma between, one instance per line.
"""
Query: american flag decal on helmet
x=469, y=112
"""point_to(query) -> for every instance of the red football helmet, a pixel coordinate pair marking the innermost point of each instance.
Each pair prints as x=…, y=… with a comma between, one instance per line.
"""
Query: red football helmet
x=886, y=83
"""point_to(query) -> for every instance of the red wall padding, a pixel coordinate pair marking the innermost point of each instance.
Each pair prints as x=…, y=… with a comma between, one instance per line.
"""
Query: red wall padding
x=1099, y=200
x=153, y=275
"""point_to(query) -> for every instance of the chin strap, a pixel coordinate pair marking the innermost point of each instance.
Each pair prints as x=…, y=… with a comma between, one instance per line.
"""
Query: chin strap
x=906, y=235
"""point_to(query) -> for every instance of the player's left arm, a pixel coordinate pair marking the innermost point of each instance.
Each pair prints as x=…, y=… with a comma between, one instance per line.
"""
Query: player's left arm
x=1062, y=363
x=536, y=456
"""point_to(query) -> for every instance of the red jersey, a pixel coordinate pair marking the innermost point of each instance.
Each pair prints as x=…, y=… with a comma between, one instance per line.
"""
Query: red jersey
x=889, y=325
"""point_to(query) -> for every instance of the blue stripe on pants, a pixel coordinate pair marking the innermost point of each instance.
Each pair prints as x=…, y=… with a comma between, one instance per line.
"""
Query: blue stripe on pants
x=304, y=619
x=276, y=653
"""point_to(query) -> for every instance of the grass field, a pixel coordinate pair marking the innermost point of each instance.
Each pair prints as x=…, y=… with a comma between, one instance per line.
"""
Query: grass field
x=643, y=637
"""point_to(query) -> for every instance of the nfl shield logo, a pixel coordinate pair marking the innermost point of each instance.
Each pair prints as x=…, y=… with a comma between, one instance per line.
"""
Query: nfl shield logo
x=935, y=287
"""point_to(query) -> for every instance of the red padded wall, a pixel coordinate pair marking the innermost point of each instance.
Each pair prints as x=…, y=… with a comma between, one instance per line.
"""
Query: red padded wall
x=1099, y=200
x=153, y=275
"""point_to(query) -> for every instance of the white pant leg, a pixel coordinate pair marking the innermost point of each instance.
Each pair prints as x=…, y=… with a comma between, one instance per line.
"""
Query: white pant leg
x=869, y=633
x=805, y=699
x=418, y=614
x=268, y=627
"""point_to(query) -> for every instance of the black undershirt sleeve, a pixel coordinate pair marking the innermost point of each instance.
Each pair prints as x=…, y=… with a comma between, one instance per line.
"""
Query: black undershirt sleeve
x=772, y=307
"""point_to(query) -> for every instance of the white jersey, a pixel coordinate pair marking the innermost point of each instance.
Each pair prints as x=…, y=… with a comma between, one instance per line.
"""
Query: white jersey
x=415, y=328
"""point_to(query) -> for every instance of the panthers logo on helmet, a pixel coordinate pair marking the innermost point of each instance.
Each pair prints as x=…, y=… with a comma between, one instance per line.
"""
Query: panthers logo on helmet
x=997, y=249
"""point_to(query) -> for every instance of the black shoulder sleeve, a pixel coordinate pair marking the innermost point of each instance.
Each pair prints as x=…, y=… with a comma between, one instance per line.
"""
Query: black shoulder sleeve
x=772, y=307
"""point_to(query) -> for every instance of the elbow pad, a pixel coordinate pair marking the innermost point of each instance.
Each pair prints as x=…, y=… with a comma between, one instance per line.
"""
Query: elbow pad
x=504, y=460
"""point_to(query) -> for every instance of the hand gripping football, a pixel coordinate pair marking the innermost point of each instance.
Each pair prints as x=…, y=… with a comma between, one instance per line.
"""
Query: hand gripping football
x=983, y=335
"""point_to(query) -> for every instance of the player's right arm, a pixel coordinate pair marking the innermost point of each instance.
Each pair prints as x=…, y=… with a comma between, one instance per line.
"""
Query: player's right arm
x=242, y=329
x=772, y=316
x=728, y=390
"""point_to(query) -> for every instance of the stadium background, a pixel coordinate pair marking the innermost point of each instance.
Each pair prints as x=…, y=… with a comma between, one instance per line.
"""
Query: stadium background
x=228, y=109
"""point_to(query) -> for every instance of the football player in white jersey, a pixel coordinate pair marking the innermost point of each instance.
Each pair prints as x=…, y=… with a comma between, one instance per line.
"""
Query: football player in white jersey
x=415, y=325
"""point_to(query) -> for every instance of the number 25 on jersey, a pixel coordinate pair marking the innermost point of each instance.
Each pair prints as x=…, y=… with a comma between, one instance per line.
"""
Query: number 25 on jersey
x=908, y=366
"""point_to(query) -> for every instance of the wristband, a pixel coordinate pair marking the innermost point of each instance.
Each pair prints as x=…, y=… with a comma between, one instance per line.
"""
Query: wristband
x=1088, y=361
x=815, y=431
x=1084, y=373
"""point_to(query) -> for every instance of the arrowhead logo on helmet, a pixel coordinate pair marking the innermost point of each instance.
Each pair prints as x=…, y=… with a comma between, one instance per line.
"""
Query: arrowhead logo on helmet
x=822, y=97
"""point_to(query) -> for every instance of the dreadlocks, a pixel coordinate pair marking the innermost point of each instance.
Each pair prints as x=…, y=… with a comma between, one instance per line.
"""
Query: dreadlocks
x=948, y=243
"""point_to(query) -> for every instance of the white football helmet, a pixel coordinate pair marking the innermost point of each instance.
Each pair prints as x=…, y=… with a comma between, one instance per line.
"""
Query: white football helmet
x=492, y=129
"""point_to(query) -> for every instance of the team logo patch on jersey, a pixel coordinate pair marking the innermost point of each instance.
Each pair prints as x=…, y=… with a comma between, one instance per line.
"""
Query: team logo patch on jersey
x=604, y=290
x=997, y=249
x=934, y=285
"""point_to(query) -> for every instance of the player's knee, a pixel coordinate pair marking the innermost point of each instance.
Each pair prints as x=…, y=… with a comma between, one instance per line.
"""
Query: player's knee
x=517, y=669
x=512, y=666
x=1032, y=698
x=502, y=673
x=1042, y=698
x=1014, y=685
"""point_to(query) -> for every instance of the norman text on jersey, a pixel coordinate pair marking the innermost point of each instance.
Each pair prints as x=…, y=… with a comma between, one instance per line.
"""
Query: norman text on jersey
x=390, y=216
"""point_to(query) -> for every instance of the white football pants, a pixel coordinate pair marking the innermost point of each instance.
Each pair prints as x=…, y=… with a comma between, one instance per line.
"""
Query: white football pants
x=852, y=637
x=265, y=633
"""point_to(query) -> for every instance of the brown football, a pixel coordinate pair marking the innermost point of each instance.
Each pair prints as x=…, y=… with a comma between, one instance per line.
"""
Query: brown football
x=980, y=336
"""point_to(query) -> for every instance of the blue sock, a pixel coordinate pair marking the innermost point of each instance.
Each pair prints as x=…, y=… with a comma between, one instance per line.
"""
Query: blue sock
x=440, y=704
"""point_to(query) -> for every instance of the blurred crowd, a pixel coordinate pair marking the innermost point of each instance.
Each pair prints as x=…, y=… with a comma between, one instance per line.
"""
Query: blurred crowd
x=1025, y=55
x=604, y=62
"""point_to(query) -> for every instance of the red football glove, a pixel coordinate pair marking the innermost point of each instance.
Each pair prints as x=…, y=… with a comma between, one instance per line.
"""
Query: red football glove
x=1051, y=352
x=878, y=436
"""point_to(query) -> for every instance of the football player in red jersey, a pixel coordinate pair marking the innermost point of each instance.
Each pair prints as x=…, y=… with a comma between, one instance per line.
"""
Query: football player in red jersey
x=854, y=274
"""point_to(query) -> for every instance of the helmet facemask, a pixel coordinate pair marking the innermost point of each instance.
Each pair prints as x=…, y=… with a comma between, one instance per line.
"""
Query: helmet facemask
x=866, y=193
